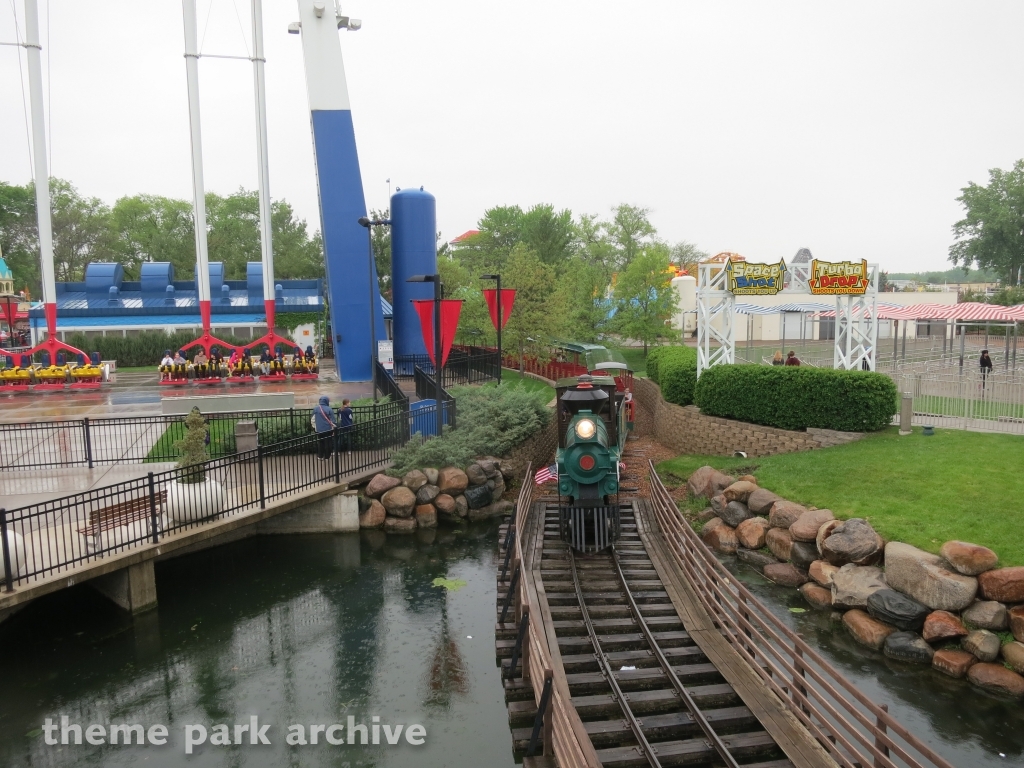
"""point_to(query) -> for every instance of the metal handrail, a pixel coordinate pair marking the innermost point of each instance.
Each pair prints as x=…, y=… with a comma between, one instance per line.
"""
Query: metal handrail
x=564, y=734
x=852, y=728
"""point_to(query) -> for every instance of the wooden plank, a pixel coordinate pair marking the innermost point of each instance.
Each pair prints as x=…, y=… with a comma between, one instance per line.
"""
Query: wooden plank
x=790, y=735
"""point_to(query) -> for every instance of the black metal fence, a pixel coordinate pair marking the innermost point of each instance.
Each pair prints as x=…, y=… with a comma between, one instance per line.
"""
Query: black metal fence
x=426, y=389
x=51, y=537
x=136, y=439
x=465, y=365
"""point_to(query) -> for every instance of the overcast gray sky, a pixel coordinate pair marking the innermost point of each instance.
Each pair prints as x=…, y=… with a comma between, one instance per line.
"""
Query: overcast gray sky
x=756, y=127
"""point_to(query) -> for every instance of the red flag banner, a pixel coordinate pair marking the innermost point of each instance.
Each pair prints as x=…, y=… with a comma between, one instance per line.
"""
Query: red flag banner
x=508, y=298
x=450, y=311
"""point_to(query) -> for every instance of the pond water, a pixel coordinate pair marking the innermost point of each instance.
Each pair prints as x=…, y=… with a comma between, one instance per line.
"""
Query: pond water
x=315, y=629
x=968, y=727
x=290, y=629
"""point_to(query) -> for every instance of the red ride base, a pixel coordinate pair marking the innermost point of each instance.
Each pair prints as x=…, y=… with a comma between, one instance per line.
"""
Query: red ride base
x=48, y=387
x=209, y=381
x=241, y=380
x=173, y=382
x=93, y=384
x=305, y=376
x=274, y=377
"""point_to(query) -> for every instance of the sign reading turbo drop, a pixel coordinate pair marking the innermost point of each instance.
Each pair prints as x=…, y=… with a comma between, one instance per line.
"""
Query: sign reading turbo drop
x=839, y=278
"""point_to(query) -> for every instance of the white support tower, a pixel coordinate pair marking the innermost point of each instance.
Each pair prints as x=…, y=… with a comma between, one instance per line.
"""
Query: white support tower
x=263, y=165
x=716, y=305
x=857, y=327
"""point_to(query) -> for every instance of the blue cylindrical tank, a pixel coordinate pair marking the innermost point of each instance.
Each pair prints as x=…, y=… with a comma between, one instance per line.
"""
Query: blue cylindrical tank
x=413, y=252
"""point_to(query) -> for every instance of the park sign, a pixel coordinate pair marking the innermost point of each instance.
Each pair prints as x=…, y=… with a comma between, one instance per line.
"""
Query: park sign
x=839, y=278
x=749, y=279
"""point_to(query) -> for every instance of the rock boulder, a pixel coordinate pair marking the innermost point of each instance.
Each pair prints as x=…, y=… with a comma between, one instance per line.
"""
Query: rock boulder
x=735, y=512
x=751, y=532
x=755, y=559
x=779, y=542
x=852, y=585
x=720, y=537
x=476, y=474
x=381, y=484
x=739, y=491
x=926, y=578
x=445, y=504
x=496, y=509
x=784, y=513
x=908, y=646
x=802, y=554
x=866, y=630
x=806, y=526
x=785, y=574
x=399, y=501
x=982, y=644
x=968, y=559
x=1003, y=584
x=718, y=503
x=374, y=516
x=761, y=501
x=942, y=625
x=426, y=516
x=461, y=506
x=895, y=608
x=478, y=496
x=825, y=531
x=953, y=663
x=987, y=614
x=1013, y=654
x=427, y=493
x=852, y=541
x=996, y=678
x=452, y=480
x=699, y=483
x=1016, y=617
x=817, y=596
x=432, y=475
x=414, y=480
x=822, y=572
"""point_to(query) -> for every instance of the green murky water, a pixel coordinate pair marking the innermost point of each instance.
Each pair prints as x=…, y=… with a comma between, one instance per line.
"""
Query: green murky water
x=290, y=629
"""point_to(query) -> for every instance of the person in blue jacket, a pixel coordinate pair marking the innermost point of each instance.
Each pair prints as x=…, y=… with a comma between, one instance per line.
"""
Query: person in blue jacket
x=345, y=421
x=325, y=425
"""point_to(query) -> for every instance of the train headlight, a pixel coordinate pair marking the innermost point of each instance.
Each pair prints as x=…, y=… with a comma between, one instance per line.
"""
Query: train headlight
x=585, y=429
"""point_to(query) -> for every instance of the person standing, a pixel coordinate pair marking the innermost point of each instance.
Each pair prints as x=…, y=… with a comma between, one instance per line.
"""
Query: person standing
x=792, y=359
x=985, y=363
x=346, y=422
x=323, y=419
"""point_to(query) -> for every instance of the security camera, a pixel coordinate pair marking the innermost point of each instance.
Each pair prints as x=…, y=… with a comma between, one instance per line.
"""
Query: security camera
x=318, y=9
x=294, y=28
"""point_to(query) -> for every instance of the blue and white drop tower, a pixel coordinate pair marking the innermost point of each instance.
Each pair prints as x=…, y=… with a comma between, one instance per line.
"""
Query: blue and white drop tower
x=351, y=274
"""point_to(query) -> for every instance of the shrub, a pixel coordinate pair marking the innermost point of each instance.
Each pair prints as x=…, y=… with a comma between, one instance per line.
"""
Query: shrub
x=797, y=398
x=674, y=369
x=192, y=448
x=491, y=421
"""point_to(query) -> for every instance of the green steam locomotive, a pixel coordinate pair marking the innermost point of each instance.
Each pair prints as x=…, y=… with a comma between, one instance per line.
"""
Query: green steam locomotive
x=594, y=418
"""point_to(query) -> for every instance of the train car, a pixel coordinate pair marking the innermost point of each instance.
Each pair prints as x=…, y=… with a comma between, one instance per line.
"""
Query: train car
x=593, y=423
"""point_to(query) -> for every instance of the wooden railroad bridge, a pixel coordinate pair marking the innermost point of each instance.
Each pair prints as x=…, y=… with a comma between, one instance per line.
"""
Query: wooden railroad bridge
x=655, y=655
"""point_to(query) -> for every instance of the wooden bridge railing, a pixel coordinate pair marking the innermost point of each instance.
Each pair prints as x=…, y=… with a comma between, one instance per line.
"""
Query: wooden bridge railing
x=856, y=732
x=564, y=736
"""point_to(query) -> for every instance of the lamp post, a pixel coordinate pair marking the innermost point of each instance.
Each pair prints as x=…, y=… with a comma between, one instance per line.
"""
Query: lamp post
x=438, y=367
x=497, y=278
x=364, y=221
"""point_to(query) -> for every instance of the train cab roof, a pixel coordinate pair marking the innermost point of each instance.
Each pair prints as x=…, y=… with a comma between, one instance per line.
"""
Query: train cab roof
x=571, y=382
x=606, y=360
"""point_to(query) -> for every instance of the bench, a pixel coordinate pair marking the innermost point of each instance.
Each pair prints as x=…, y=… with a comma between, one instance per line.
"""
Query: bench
x=117, y=515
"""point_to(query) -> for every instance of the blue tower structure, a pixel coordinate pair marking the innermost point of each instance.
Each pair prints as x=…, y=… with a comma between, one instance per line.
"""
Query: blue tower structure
x=413, y=252
x=351, y=275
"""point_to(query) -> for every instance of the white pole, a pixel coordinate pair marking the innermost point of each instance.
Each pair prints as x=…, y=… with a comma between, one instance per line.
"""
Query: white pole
x=263, y=165
x=42, y=173
x=198, y=189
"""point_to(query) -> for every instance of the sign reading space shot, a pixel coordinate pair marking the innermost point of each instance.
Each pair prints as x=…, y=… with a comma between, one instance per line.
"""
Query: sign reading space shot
x=839, y=278
x=748, y=279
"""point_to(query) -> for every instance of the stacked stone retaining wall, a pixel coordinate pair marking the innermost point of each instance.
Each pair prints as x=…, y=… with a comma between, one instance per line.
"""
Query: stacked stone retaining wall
x=687, y=430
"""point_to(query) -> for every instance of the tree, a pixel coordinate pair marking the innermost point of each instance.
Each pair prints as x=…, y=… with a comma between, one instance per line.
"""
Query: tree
x=532, y=322
x=153, y=228
x=19, y=240
x=687, y=255
x=595, y=247
x=630, y=229
x=380, y=239
x=296, y=254
x=581, y=301
x=81, y=230
x=644, y=297
x=549, y=234
x=991, y=234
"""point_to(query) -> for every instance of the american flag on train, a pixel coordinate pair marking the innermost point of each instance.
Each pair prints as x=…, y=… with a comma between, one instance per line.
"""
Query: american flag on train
x=546, y=475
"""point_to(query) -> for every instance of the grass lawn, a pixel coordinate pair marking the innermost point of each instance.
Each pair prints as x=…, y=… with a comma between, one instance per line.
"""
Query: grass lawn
x=163, y=449
x=511, y=378
x=635, y=357
x=919, y=490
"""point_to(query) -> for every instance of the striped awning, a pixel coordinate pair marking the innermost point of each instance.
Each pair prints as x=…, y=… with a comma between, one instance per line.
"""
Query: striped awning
x=884, y=312
x=967, y=311
x=807, y=308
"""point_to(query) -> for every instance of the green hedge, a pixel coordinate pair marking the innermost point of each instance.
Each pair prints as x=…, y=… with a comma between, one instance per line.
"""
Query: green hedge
x=797, y=398
x=147, y=348
x=674, y=369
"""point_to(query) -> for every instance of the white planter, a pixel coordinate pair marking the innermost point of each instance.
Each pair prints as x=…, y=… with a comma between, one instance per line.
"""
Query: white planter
x=16, y=549
x=187, y=502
